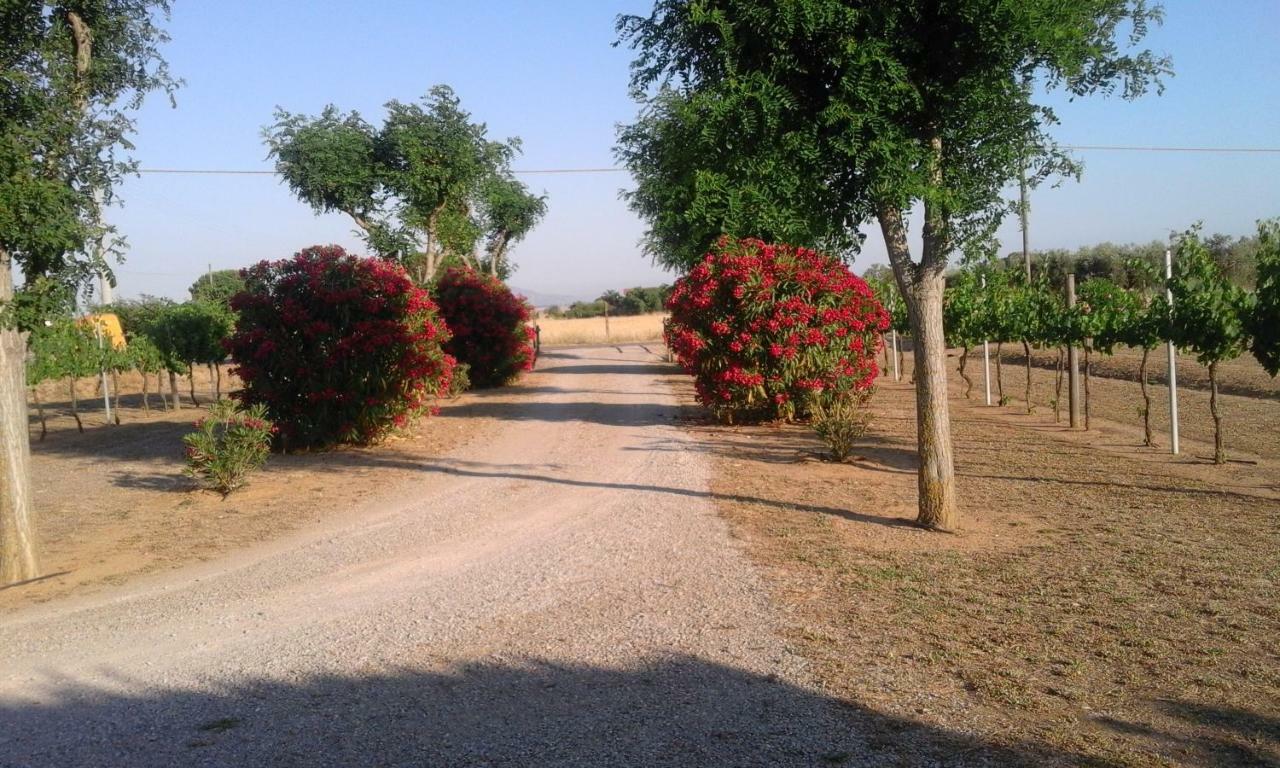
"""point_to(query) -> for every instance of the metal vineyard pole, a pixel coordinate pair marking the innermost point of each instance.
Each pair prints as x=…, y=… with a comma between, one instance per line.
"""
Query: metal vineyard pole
x=986, y=357
x=894, y=334
x=1073, y=363
x=1173, y=360
x=102, y=368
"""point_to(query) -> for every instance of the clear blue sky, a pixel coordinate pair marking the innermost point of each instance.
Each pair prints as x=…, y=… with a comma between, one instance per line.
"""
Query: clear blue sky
x=545, y=71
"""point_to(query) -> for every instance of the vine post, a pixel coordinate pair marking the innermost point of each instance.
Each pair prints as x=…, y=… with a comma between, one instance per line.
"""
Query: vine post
x=897, y=375
x=986, y=359
x=1073, y=364
x=1173, y=360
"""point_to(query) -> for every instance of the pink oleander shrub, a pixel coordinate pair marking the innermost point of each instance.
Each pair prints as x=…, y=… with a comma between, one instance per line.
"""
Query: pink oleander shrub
x=767, y=329
x=338, y=348
x=490, y=326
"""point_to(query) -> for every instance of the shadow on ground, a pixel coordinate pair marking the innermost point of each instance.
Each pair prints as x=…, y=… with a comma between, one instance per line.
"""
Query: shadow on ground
x=675, y=712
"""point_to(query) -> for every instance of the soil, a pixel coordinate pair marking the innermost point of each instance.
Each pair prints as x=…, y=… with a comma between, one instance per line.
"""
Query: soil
x=113, y=502
x=1104, y=604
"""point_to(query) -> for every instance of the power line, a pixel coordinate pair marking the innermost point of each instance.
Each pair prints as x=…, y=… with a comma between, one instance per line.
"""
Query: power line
x=1122, y=148
x=237, y=172
x=615, y=169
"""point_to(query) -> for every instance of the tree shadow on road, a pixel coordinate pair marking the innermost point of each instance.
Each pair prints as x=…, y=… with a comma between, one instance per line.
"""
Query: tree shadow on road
x=532, y=473
x=608, y=414
x=679, y=711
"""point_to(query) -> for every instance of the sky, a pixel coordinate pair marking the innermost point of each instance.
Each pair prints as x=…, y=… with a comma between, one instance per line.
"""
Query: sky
x=545, y=71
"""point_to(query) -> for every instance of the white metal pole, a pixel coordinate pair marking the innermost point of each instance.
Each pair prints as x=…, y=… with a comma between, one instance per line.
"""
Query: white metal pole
x=896, y=375
x=1173, y=362
x=986, y=358
x=106, y=391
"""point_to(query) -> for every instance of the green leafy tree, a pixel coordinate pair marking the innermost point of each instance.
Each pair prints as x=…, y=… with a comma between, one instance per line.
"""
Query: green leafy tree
x=1146, y=328
x=1264, y=325
x=962, y=316
x=145, y=358
x=1208, y=317
x=507, y=212
x=217, y=287
x=191, y=333
x=62, y=348
x=1104, y=313
x=73, y=74
x=804, y=120
x=426, y=188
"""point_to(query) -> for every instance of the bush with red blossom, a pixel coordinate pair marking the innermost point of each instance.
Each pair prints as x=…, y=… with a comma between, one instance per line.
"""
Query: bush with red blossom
x=339, y=348
x=489, y=323
x=764, y=329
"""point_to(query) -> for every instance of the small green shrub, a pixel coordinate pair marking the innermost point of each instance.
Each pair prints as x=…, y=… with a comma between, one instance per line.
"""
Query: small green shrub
x=229, y=443
x=841, y=421
x=461, y=380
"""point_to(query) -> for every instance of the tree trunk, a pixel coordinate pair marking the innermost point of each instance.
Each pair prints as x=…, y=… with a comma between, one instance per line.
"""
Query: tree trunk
x=884, y=347
x=1219, y=454
x=173, y=391
x=1146, y=399
x=1087, y=369
x=968, y=383
x=217, y=372
x=191, y=383
x=1057, y=388
x=1026, y=350
x=999, y=372
x=146, y=394
x=213, y=392
x=44, y=427
x=115, y=385
x=929, y=353
x=18, y=558
x=922, y=288
x=75, y=406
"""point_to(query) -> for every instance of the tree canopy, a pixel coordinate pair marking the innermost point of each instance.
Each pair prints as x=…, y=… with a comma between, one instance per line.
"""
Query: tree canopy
x=427, y=187
x=73, y=73
x=217, y=287
x=804, y=120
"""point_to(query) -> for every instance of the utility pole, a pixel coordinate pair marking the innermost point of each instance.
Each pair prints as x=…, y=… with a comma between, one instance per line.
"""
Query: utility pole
x=1073, y=363
x=1023, y=207
x=1173, y=361
x=104, y=284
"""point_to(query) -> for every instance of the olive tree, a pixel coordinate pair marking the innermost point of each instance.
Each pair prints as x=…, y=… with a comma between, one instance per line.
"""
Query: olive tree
x=805, y=120
x=74, y=72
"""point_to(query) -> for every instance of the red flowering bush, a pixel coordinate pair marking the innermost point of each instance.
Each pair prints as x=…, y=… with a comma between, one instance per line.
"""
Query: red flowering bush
x=765, y=329
x=489, y=323
x=339, y=348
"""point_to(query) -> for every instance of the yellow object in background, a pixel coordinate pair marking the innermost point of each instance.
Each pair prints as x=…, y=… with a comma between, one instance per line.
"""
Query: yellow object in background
x=108, y=325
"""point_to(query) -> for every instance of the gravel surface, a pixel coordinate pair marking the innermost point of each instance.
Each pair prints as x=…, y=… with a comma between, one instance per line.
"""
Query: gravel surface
x=560, y=595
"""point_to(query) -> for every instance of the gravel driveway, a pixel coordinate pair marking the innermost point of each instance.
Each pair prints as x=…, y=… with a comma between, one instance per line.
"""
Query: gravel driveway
x=563, y=594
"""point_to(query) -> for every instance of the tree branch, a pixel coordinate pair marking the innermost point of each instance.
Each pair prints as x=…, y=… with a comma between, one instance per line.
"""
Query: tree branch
x=82, y=38
x=905, y=271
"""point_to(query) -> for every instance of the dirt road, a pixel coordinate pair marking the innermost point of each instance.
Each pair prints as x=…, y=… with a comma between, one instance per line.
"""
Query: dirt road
x=558, y=595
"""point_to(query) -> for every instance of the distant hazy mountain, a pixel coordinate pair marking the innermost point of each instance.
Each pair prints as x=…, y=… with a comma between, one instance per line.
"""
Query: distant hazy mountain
x=540, y=299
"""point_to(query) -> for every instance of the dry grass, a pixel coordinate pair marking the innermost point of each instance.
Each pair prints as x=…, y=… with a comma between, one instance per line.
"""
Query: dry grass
x=1106, y=605
x=591, y=330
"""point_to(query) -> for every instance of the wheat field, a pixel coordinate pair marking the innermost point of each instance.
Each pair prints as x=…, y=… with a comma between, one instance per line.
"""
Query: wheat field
x=591, y=330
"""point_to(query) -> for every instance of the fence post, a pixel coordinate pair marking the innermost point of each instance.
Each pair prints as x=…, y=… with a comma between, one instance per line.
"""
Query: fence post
x=1173, y=360
x=102, y=369
x=986, y=357
x=1073, y=363
x=896, y=375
